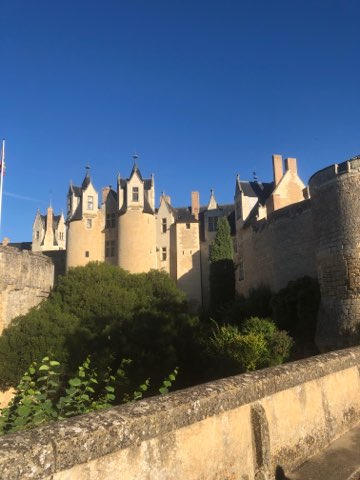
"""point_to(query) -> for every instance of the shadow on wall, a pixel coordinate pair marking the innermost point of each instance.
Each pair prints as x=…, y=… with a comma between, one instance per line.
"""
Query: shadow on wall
x=190, y=281
x=280, y=474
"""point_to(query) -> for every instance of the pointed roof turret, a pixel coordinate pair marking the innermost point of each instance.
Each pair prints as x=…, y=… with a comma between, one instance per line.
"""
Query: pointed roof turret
x=135, y=168
x=212, y=202
x=87, y=179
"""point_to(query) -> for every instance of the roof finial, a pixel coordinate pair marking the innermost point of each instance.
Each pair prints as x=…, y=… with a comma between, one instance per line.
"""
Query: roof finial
x=135, y=157
x=255, y=177
x=87, y=168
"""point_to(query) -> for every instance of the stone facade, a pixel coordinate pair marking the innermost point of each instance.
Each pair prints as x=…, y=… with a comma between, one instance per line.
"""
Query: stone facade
x=26, y=278
x=127, y=230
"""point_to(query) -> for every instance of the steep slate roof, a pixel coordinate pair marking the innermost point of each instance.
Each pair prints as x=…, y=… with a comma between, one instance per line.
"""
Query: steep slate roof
x=257, y=189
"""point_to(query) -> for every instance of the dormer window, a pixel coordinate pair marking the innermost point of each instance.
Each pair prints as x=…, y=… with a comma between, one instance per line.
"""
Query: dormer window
x=90, y=202
x=135, y=194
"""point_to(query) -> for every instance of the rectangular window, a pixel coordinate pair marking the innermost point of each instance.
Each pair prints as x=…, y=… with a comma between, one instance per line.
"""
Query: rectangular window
x=37, y=234
x=163, y=225
x=212, y=223
x=188, y=226
x=107, y=225
x=113, y=220
x=163, y=254
x=61, y=236
x=107, y=249
x=90, y=202
x=135, y=194
x=88, y=223
x=112, y=248
x=87, y=254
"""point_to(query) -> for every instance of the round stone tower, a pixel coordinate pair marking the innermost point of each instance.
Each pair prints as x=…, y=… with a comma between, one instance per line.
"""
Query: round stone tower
x=137, y=241
x=335, y=194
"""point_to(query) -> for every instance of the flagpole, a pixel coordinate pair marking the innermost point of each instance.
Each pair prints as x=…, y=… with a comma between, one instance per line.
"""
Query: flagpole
x=2, y=178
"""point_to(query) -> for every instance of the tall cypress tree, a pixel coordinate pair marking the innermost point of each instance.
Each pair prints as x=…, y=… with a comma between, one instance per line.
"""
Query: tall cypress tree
x=222, y=270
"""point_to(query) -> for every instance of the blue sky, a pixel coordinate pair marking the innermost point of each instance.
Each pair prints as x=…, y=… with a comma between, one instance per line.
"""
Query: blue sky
x=202, y=90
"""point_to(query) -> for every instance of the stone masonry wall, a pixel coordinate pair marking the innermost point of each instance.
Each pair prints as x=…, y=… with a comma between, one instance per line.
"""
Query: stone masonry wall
x=25, y=279
x=335, y=193
x=241, y=427
x=277, y=250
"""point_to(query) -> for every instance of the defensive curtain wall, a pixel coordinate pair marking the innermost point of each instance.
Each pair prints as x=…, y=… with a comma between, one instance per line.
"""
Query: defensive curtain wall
x=241, y=427
x=277, y=250
x=25, y=279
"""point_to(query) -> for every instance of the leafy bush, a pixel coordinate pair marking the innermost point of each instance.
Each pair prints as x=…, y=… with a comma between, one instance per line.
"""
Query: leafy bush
x=257, y=344
x=256, y=304
x=40, y=398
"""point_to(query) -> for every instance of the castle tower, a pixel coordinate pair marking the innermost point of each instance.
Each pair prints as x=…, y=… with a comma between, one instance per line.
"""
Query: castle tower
x=85, y=225
x=136, y=222
x=335, y=193
x=48, y=232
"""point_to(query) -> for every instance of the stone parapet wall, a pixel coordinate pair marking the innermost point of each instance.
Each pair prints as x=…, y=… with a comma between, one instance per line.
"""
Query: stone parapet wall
x=26, y=278
x=279, y=249
x=241, y=427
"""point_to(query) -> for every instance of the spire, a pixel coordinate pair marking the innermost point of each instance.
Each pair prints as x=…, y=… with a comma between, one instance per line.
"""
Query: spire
x=87, y=179
x=135, y=168
x=238, y=188
x=212, y=202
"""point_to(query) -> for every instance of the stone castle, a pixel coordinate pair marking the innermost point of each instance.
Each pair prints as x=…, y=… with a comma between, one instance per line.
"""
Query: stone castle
x=281, y=230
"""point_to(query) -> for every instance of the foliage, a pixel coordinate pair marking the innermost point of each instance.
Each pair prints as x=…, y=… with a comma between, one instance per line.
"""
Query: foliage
x=222, y=270
x=40, y=398
x=295, y=307
x=256, y=304
x=109, y=313
x=257, y=344
x=43, y=331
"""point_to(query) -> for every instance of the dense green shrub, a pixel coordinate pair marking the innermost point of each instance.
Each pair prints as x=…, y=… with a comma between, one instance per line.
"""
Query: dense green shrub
x=257, y=344
x=295, y=307
x=256, y=304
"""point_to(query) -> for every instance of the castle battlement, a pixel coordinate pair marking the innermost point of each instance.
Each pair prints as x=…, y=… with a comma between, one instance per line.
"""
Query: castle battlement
x=332, y=172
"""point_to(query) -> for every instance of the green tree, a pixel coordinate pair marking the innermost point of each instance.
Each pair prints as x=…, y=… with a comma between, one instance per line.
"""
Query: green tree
x=222, y=270
x=108, y=313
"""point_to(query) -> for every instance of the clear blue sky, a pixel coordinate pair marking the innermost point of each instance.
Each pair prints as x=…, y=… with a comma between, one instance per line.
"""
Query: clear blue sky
x=201, y=89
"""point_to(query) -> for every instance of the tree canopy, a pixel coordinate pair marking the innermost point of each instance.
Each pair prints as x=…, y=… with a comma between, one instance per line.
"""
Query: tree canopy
x=108, y=313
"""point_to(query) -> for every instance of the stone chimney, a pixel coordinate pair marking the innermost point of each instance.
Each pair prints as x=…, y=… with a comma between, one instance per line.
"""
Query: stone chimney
x=290, y=164
x=277, y=168
x=49, y=221
x=195, y=204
